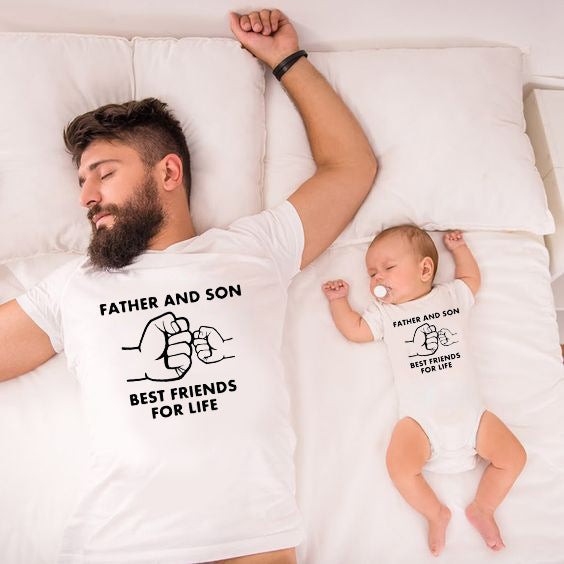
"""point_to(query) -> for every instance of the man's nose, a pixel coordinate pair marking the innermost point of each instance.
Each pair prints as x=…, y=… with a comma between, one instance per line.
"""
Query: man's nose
x=89, y=194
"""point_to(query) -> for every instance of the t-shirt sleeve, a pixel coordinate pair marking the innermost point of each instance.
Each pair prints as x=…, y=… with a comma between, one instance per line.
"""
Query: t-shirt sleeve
x=42, y=302
x=461, y=293
x=278, y=232
x=373, y=316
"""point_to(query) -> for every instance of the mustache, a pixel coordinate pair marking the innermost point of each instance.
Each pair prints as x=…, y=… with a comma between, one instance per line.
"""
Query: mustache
x=111, y=208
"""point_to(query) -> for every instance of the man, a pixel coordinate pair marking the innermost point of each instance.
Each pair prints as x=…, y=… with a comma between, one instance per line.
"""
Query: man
x=174, y=336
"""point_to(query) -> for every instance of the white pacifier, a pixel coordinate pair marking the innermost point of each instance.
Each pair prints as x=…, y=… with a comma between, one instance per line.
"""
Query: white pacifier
x=380, y=291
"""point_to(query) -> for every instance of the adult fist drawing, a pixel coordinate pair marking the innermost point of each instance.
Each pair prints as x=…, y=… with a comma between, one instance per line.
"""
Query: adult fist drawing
x=425, y=341
x=166, y=348
x=210, y=345
x=268, y=35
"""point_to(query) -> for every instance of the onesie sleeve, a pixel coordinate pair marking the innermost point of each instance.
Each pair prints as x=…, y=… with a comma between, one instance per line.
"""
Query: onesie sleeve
x=461, y=293
x=42, y=302
x=278, y=233
x=373, y=316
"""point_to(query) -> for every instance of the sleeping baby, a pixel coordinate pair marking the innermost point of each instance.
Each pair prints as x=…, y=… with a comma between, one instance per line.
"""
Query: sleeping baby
x=443, y=424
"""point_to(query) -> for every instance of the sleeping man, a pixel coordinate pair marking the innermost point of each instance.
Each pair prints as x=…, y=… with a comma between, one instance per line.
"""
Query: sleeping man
x=175, y=484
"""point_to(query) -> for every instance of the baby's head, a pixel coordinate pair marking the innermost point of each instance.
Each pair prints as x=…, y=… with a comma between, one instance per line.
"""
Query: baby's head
x=404, y=260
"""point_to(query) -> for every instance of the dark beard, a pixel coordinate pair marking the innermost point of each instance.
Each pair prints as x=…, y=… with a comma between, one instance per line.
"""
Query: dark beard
x=135, y=223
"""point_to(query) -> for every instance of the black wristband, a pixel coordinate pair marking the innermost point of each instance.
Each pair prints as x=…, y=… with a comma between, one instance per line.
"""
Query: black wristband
x=287, y=63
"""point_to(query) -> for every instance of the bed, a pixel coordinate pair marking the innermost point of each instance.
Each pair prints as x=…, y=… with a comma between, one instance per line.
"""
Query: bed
x=447, y=127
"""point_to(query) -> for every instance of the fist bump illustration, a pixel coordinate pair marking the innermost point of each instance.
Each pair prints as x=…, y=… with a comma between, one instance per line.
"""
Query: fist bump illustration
x=426, y=340
x=167, y=343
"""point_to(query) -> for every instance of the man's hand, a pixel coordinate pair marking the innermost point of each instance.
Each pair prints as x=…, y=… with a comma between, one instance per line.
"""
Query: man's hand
x=267, y=34
x=335, y=289
x=453, y=239
x=210, y=345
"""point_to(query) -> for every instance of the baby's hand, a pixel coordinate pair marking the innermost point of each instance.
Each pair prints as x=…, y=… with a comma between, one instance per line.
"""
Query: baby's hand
x=453, y=239
x=335, y=289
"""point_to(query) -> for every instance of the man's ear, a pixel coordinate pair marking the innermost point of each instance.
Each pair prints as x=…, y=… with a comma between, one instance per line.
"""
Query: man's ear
x=170, y=169
x=427, y=267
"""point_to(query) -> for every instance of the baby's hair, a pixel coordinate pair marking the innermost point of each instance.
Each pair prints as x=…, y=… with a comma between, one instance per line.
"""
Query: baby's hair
x=419, y=240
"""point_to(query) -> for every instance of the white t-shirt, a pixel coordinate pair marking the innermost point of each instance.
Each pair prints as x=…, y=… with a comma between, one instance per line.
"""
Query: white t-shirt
x=182, y=384
x=426, y=342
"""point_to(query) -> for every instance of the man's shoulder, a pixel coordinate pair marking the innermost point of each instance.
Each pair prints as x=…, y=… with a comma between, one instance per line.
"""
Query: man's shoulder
x=68, y=268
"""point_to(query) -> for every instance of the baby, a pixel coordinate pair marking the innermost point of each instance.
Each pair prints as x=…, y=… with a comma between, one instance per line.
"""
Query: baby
x=442, y=422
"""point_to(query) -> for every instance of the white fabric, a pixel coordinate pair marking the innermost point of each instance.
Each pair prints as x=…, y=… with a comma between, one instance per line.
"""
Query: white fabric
x=432, y=366
x=39, y=183
x=183, y=393
x=447, y=128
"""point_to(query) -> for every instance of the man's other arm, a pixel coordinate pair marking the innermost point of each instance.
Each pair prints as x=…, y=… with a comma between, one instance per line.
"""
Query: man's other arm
x=23, y=345
x=346, y=164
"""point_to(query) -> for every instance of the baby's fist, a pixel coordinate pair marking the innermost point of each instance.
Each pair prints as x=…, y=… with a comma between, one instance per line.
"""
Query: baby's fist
x=335, y=289
x=453, y=239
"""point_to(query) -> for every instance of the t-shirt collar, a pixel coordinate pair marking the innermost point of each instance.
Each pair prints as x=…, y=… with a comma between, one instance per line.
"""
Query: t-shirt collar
x=173, y=247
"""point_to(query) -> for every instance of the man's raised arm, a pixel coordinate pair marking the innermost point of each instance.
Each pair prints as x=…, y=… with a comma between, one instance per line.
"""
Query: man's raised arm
x=346, y=164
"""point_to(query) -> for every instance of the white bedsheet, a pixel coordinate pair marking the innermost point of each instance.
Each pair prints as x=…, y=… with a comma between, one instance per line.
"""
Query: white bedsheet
x=343, y=410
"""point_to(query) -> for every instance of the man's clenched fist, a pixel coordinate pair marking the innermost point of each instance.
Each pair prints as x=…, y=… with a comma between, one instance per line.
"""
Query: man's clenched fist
x=267, y=34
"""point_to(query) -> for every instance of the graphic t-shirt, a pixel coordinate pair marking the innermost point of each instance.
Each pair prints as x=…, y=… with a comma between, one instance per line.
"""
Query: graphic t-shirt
x=178, y=360
x=426, y=342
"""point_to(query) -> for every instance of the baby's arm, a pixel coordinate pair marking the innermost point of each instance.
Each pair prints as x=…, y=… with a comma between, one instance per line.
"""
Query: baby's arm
x=466, y=265
x=348, y=322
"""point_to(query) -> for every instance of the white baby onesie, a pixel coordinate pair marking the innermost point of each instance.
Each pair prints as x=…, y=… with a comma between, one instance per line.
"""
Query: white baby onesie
x=433, y=374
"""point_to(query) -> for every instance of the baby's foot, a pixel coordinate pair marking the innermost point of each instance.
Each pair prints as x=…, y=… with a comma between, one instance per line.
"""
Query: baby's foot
x=486, y=525
x=437, y=530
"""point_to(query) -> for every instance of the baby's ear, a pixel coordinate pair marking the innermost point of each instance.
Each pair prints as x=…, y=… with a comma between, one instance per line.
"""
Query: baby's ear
x=427, y=268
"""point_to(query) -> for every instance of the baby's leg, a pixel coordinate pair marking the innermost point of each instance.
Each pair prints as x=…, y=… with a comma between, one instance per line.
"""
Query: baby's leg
x=408, y=451
x=496, y=443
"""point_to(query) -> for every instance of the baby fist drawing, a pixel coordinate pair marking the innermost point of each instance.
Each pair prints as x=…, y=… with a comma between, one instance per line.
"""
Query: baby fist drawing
x=210, y=345
x=447, y=337
x=453, y=239
x=334, y=289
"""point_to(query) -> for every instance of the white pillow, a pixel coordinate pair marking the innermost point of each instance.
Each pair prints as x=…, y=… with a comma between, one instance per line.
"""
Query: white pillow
x=447, y=128
x=50, y=78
